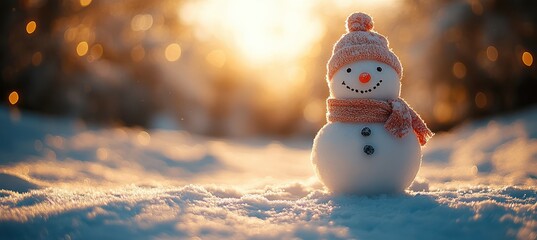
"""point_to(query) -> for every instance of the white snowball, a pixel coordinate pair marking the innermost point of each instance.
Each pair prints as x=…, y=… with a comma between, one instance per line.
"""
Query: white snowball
x=342, y=165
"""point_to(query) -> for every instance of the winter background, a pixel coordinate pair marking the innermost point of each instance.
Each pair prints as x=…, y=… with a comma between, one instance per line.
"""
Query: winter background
x=188, y=119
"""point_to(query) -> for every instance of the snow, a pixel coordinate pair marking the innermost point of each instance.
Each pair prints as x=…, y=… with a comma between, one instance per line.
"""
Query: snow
x=62, y=179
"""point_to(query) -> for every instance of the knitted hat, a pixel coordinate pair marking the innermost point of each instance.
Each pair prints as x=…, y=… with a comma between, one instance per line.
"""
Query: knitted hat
x=361, y=43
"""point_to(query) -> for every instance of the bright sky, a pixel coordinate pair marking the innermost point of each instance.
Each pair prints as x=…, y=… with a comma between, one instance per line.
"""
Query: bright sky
x=267, y=30
x=260, y=31
x=268, y=39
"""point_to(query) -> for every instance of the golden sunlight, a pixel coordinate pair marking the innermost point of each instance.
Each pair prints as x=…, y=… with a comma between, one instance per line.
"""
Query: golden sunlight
x=217, y=58
x=262, y=32
x=271, y=38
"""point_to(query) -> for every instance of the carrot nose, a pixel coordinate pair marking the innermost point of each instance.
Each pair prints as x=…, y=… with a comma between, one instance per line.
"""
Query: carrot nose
x=364, y=77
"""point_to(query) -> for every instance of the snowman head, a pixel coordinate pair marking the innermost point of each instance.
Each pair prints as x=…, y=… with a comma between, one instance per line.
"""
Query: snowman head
x=365, y=79
x=362, y=65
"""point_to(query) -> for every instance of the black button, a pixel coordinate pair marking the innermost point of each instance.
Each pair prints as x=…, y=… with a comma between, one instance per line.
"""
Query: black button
x=368, y=149
x=366, y=131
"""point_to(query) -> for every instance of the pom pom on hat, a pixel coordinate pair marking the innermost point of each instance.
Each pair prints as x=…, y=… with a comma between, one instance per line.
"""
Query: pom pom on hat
x=359, y=22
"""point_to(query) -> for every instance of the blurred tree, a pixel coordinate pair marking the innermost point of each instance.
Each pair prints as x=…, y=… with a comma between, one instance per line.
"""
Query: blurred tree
x=476, y=55
x=125, y=61
x=77, y=58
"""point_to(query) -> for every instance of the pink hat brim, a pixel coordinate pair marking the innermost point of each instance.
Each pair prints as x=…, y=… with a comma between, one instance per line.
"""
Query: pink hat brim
x=355, y=53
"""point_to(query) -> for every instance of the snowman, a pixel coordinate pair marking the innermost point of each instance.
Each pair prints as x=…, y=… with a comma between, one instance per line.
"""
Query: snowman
x=371, y=143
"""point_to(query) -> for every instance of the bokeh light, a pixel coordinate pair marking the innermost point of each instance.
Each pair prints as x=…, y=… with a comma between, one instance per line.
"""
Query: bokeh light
x=217, y=58
x=142, y=22
x=82, y=48
x=95, y=52
x=492, y=53
x=313, y=112
x=244, y=67
x=37, y=57
x=143, y=138
x=481, y=100
x=459, y=70
x=173, y=52
x=443, y=112
x=85, y=3
x=137, y=53
x=527, y=59
x=31, y=26
x=13, y=98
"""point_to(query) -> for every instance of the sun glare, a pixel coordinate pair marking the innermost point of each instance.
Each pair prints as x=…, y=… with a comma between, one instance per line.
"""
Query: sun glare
x=261, y=31
x=273, y=36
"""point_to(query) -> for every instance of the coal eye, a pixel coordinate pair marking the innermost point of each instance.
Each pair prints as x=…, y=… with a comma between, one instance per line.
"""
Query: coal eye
x=378, y=69
x=349, y=70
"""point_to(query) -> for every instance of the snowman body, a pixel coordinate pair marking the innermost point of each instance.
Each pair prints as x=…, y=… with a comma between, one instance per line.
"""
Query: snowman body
x=344, y=166
x=365, y=158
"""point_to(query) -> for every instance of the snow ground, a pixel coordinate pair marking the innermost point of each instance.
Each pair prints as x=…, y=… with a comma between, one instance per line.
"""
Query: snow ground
x=61, y=179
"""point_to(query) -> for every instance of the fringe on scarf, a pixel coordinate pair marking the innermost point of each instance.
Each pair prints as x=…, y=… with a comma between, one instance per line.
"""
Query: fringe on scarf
x=398, y=117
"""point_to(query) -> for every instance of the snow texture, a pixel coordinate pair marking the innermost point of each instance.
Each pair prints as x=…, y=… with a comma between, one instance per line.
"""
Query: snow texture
x=61, y=179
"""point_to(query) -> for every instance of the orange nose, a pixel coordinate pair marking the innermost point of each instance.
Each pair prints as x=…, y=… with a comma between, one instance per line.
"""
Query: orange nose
x=364, y=77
